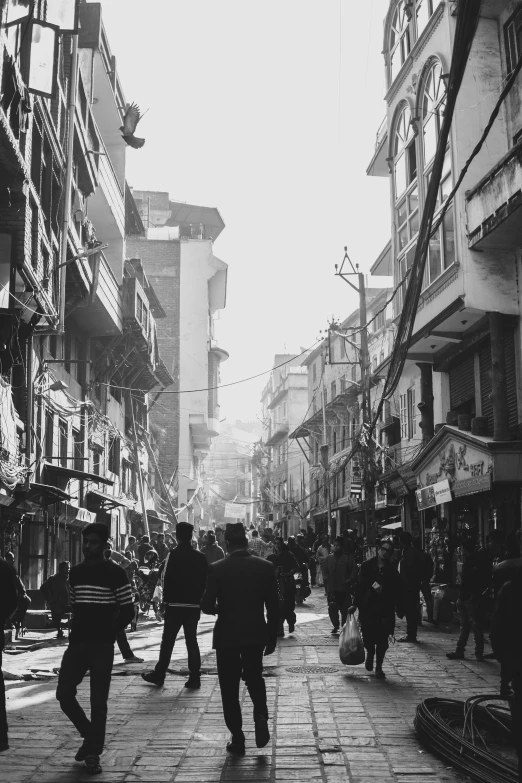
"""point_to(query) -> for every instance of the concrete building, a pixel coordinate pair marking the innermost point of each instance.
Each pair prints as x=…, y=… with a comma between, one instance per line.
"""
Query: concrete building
x=458, y=406
x=284, y=483
x=177, y=253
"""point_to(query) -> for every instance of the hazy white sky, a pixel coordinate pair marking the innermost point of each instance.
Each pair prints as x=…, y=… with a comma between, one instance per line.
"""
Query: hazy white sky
x=267, y=111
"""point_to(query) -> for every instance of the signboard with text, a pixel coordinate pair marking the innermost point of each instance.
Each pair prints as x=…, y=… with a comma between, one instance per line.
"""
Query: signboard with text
x=433, y=495
x=235, y=510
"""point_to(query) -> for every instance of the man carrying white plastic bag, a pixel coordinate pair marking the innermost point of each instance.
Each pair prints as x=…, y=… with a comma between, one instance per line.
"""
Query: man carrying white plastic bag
x=378, y=596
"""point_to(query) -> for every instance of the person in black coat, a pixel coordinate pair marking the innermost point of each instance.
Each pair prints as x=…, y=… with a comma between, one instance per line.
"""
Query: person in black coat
x=184, y=579
x=379, y=596
x=8, y=603
x=238, y=590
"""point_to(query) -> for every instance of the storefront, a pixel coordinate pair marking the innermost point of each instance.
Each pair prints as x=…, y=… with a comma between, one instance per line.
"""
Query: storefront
x=484, y=482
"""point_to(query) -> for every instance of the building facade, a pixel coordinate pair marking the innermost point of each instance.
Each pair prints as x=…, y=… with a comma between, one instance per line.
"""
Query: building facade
x=457, y=411
x=177, y=252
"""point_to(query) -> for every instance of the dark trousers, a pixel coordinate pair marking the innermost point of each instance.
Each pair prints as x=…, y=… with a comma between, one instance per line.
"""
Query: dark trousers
x=175, y=618
x=375, y=633
x=287, y=612
x=123, y=644
x=411, y=611
x=472, y=615
x=234, y=663
x=338, y=602
x=3, y=714
x=97, y=659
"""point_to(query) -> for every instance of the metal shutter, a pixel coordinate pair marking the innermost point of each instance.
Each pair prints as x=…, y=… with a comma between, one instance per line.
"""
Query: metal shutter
x=511, y=379
x=485, y=382
x=462, y=382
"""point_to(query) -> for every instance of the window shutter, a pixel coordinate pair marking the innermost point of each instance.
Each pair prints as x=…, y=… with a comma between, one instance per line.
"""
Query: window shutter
x=511, y=380
x=462, y=382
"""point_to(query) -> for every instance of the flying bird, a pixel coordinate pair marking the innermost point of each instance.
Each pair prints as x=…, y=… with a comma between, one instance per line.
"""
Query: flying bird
x=130, y=121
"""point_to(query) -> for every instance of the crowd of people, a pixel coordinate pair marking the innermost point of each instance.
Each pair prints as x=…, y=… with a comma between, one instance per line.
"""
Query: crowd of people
x=252, y=580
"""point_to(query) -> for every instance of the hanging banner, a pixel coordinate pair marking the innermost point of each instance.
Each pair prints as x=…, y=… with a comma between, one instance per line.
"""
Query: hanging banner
x=235, y=510
x=433, y=495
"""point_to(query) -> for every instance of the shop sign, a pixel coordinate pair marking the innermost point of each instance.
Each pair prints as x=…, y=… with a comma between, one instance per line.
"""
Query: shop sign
x=456, y=462
x=472, y=485
x=235, y=510
x=407, y=474
x=433, y=495
x=398, y=487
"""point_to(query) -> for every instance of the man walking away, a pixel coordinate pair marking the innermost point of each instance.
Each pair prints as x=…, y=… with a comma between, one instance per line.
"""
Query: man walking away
x=286, y=566
x=378, y=596
x=184, y=581
x=8, y=603
x=211, y=550
x=506, y=640
x=412, y=573
x=161, y=547
x=101, y=601
x=323, y=552
x=122, y=641
x=476, y=581
x=238, y=590
x=342, y=576
x=257, y=545
x=143, y=548
x=56, y=592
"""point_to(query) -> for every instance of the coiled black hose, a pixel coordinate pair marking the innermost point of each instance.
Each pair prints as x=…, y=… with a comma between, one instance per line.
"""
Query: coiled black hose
x=461, y=733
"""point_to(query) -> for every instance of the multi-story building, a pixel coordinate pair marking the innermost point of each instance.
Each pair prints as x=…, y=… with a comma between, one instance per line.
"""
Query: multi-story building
x=457, y=413
x=177, y=252
x=78, y=349
x=284, y=402
x=333, y=422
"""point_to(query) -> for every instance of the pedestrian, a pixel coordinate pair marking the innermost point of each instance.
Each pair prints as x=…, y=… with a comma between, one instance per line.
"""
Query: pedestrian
x=184, y=579
x=342, y=576
x=56, y=592
x=143, y=547
x=268, y=542
x=239, y=588
x=310, y=537
x=161, y=547
x=510, y=563
x=132, y=546
x=412, y=571
x=211, y=550
x=257, y=545
x=301, y=557
x=474, y=593
x=322, y=555
x=379, y=597
x=123, y=562
x=286, y=566
x=101, y=601
x=310, y=558
x=8, y=603
x=220, y=538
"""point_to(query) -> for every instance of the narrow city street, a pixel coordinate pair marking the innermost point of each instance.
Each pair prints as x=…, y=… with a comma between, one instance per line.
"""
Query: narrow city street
x=329, y=722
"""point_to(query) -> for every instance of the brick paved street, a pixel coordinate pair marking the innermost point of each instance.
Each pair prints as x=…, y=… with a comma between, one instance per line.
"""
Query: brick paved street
x=329, y=722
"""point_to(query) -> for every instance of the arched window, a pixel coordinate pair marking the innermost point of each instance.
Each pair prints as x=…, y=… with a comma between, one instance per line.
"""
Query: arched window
x=433, y=100
x=400, y=38
x=423, y=12
x=406, y=195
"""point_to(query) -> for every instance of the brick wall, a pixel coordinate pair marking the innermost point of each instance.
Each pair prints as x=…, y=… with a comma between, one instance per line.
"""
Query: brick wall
x=161, y=262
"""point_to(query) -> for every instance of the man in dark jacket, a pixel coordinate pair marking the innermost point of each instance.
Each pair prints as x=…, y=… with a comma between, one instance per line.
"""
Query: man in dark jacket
x=55, y=590
x=286, y=566
x=238, y=590
x=211, y=550
x=412, y=568
x=8, y=603
x=476, y=582
x=142, y=549
x=184, y=580
x=379, y=597
x=342, y=576
x=506, y=640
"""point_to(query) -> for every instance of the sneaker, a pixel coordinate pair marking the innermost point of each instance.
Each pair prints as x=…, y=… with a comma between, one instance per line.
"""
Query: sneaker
x=237, y=747
x=334, y=630
x=408, y=640
x=82, y=753
x=92, y=764
x=457, y=655
x=379, y=674
x=153, y=678
x=262, y=732
x=193, y=683
x=368, y=665
x=134, y=659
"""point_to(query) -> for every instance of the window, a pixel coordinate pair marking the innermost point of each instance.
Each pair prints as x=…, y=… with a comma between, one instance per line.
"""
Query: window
x=378, y=321
x=64, y=442
x=400, y=39
x=334, y=443
x=381, y=357
x=412, y=420
x=513, y=39
x=284, y=411
x=404, y=153
x=374, y=362
x=423, y=11
x=78, y=450
x=49, y=435
x=334, y=390
x=343, y=385
x=441, y=252
x=404, y=415
x=114, y=455
x=354, y=372
x=407, y=198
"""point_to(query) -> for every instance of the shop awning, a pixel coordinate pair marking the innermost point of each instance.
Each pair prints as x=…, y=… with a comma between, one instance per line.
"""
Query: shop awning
x=59, y=473
x=391, y=526
x=41, y=495
x=108, y=502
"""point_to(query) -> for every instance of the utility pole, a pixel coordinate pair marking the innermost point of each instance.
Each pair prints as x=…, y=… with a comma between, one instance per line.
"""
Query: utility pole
x=326, y=466
x=138, y=467
x=367, y=450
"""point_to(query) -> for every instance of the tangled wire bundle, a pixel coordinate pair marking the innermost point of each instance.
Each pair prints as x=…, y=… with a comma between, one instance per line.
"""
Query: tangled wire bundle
x=475, y=736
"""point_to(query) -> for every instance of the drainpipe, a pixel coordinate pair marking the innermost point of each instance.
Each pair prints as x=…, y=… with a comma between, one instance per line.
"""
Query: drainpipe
x=71, y=109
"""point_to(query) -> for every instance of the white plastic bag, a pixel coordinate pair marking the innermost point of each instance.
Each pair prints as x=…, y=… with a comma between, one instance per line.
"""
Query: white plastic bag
x=158, y=593
x=351, y=648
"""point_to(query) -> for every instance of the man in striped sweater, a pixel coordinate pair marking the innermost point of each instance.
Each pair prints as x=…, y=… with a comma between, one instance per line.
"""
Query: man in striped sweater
x=101, y=601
